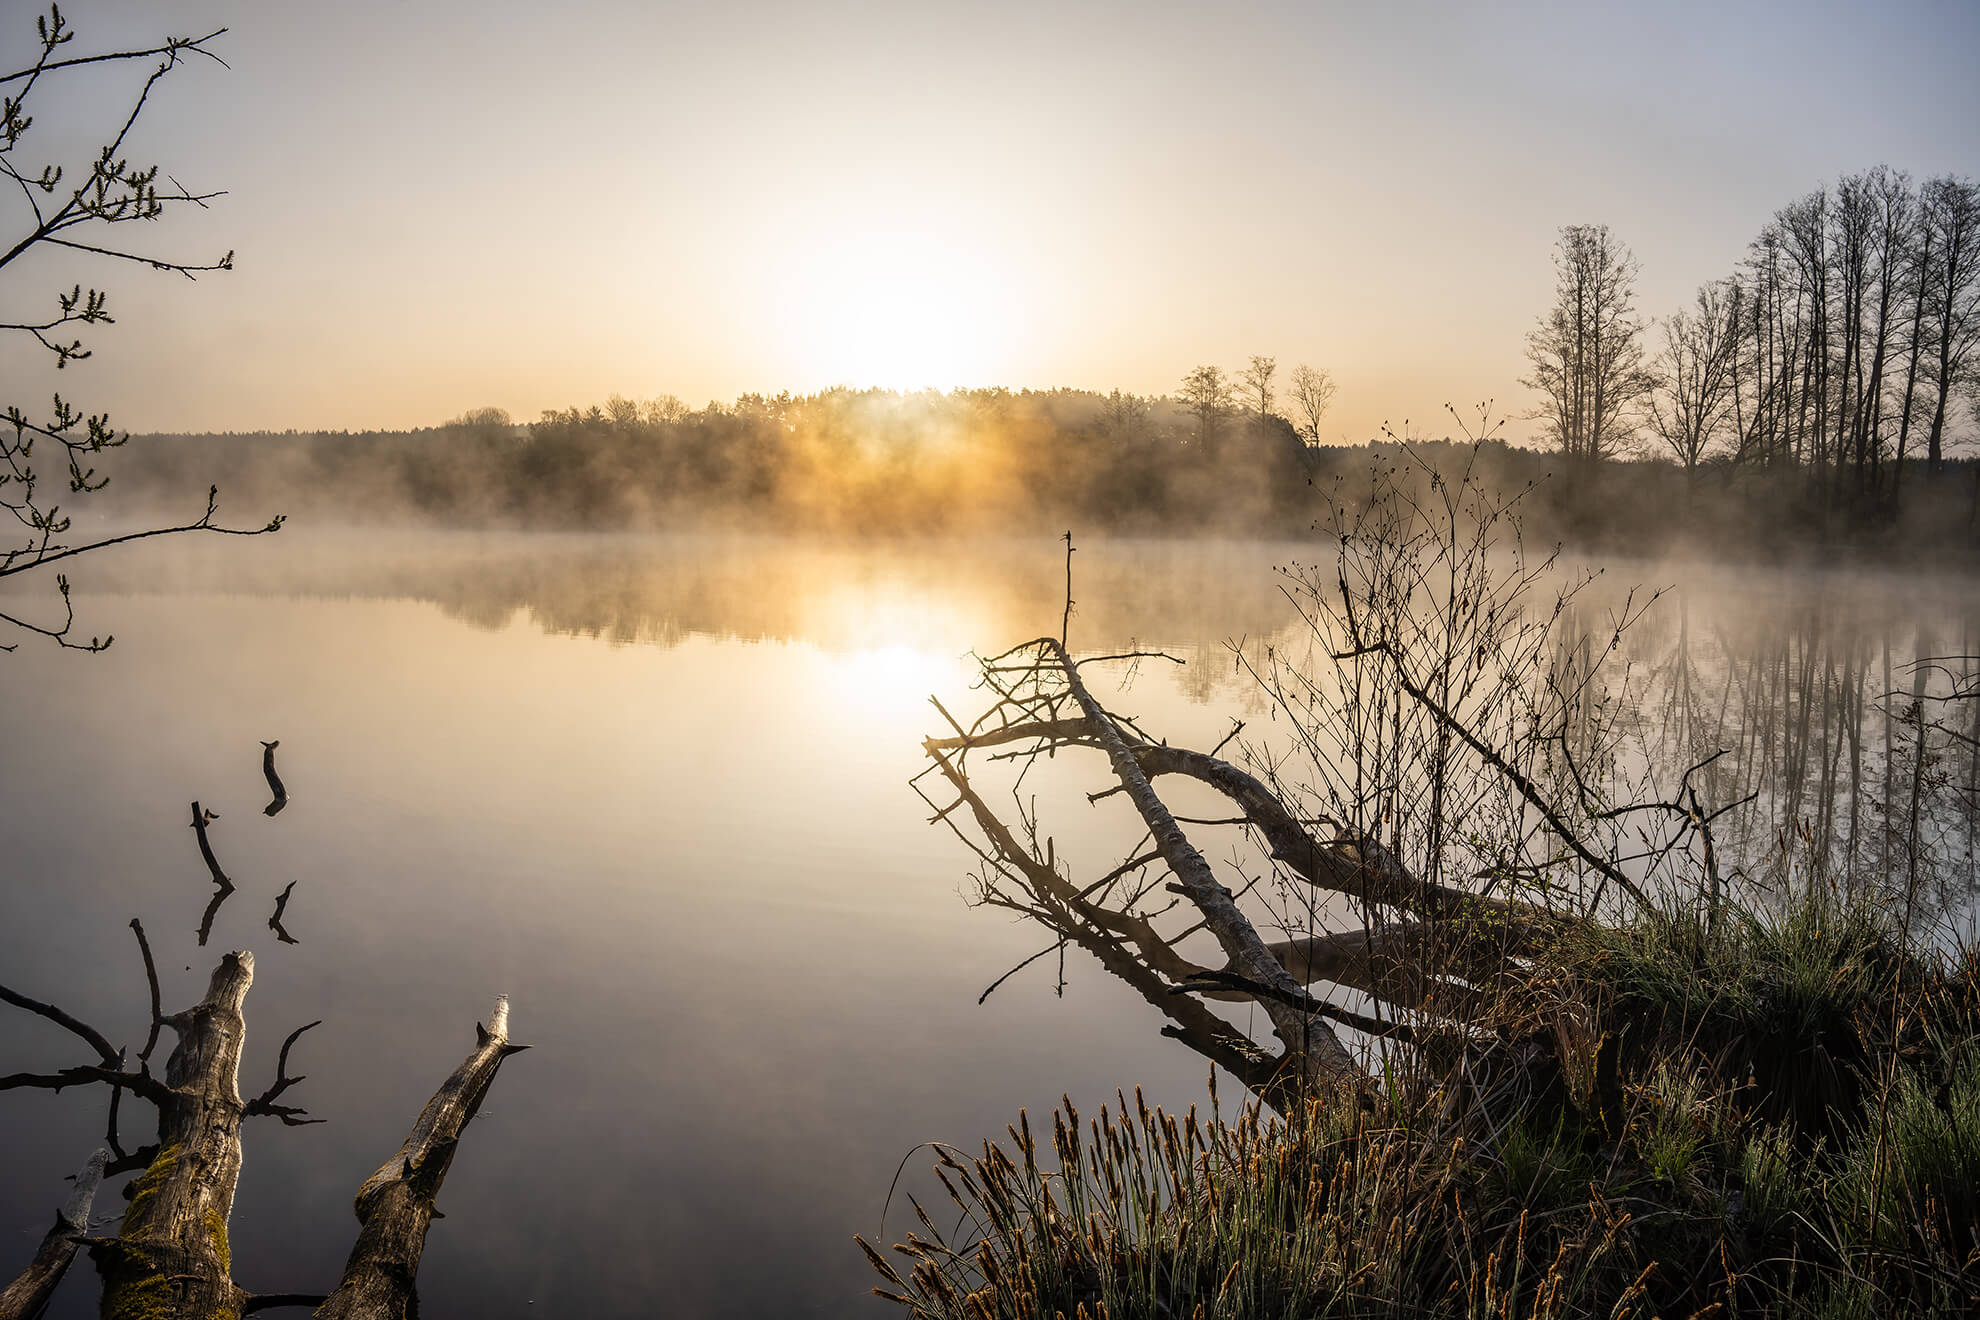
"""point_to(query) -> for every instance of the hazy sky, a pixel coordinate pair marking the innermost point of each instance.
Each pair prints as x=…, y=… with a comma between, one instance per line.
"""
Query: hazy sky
x=440, y=205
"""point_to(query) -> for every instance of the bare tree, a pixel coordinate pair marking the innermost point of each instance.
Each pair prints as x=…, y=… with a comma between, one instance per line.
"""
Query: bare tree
x=1689, y=409
x=1312, y=393
x=1952, y=215
x=1893, y=204
x=1587, y=352
x=1206, y=393
x=1257, y=382
x=78, y=209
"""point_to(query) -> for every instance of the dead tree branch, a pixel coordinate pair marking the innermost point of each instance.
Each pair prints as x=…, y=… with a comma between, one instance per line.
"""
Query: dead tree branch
x=281, y=906
x=200, y=820
x=27, y=1296
x=265, y=1102
x=395, y=1204
x=280, y=795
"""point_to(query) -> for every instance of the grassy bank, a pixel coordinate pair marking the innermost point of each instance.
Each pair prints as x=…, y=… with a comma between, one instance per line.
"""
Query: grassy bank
x=1714, y=1113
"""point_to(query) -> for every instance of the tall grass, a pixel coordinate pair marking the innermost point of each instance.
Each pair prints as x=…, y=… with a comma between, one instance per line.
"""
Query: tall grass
x=1752, y=1114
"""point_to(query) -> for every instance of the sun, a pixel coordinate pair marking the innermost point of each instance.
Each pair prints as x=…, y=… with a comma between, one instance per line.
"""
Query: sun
x=898, y=306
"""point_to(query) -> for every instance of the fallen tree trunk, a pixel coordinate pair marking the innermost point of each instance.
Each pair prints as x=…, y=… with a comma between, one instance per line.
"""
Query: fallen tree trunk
x=1433, y=953
x=170, y=1256
x=395, y=1204
x=1309, y=1040
x=27, y=1296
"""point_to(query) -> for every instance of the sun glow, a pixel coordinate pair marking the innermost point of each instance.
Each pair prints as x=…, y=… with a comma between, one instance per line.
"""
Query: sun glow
x=897, y=306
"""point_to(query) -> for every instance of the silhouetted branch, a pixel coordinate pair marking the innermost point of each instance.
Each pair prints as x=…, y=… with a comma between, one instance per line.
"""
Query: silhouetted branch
x=1204, y=982
x=1055, y=946
x=1525, y=787
x=112, y=1058
x=84, y=1074
x=265, y=1102
x=200, y=820
x=220, y=896
x=151, y=981
x=1065, y=624
x=281, y=794
x=275, y=921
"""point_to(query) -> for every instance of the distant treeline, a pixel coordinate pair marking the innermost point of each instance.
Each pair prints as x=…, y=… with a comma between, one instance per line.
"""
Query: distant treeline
x=873, y=461
x=1842, y=347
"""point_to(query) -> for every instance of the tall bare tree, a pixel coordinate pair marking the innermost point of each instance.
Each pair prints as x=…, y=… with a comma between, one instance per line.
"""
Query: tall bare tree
x=1587, y=352
x=1257, y=382
x=1312, y=393
x=1692, y=404
x=1895, y=206
x=1952, y=216
x=1206, y=393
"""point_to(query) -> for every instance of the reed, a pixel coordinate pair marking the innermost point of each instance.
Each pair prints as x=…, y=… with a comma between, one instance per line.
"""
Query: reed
x=1731, y=1113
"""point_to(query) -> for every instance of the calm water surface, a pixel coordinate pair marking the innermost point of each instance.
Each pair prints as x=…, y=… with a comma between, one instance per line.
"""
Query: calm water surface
x=656, y=792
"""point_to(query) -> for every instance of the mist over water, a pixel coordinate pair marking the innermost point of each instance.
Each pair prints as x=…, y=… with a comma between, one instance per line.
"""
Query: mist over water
x=654, y=788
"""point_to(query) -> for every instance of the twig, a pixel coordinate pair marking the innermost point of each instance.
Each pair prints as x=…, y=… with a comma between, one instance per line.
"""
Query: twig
x=265, y=1102
x=1065, y=624
x=281, y=794
x=275, y=922
x=151, y=980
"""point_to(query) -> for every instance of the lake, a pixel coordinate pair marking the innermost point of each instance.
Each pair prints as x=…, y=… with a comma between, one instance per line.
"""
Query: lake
x=656, y=791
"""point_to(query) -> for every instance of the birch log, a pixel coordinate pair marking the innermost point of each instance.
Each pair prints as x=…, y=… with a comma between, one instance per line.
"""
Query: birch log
x=1308, y=1038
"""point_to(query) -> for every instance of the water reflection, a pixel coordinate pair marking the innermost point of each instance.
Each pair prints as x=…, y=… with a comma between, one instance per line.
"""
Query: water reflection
x=278, y=795
x=1839, y=700
x=694, y=864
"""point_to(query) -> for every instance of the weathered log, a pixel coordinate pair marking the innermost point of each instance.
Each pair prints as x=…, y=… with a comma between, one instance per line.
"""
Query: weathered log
x=395, y=1204
x=280, y=794
x=171, y=1256
x=27, y=1296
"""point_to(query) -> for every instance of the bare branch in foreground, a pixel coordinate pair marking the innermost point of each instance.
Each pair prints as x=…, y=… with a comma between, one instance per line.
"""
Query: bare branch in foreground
x=27, y=1296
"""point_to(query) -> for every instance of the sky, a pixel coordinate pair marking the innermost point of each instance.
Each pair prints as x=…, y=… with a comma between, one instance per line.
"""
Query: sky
x=438, y=205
